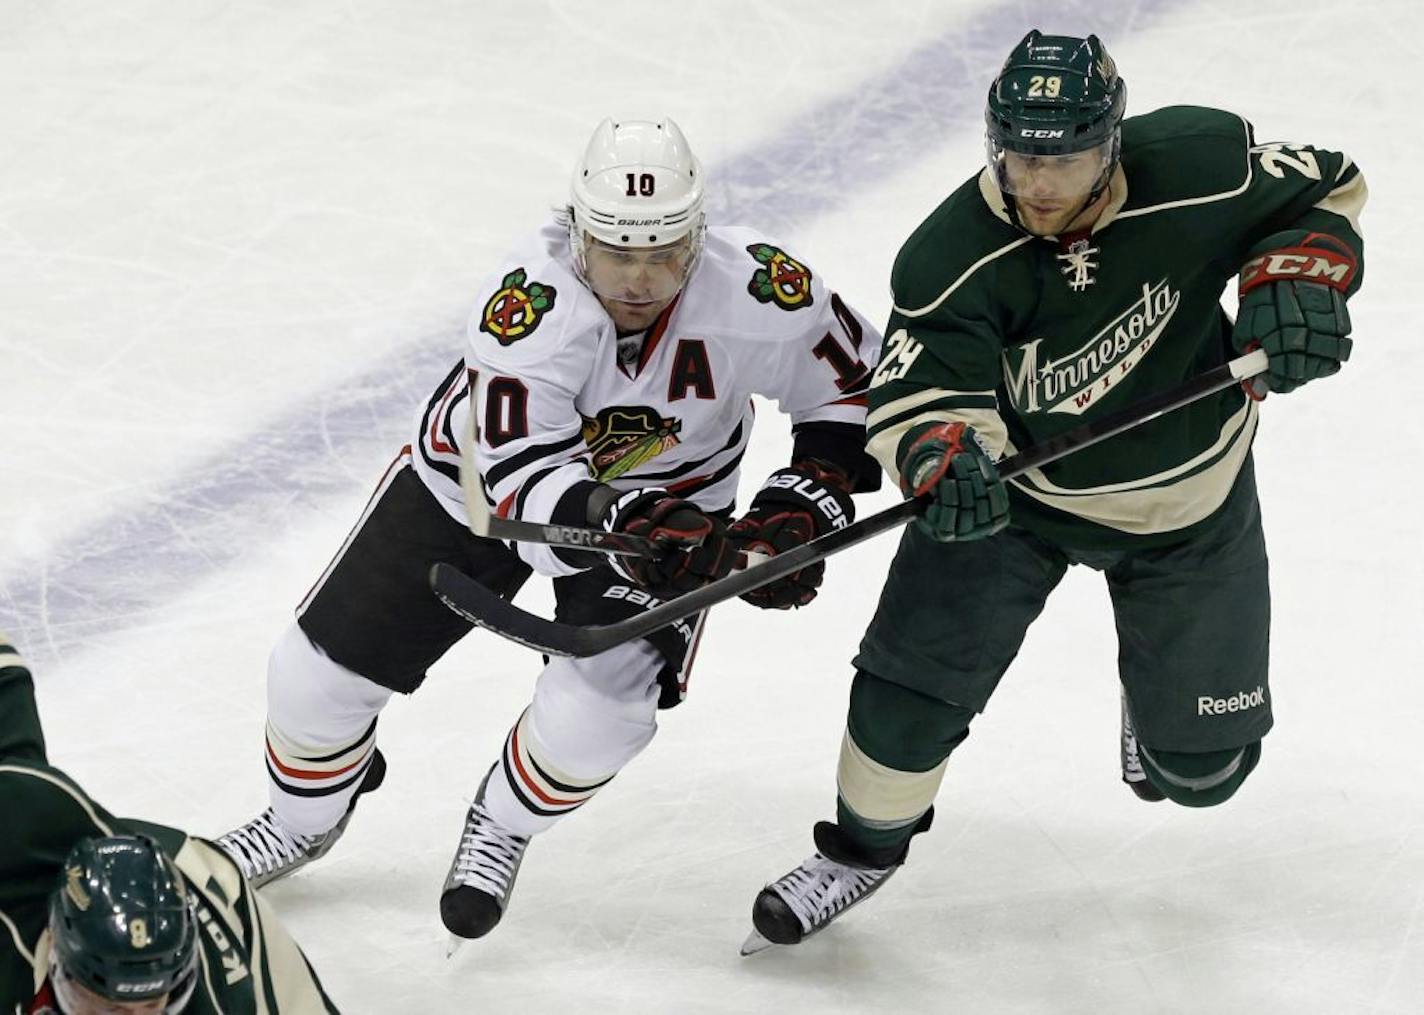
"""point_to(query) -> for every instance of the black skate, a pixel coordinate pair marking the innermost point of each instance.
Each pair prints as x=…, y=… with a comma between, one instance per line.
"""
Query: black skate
x=832, y=880
x=265, y=849
x=482, y=874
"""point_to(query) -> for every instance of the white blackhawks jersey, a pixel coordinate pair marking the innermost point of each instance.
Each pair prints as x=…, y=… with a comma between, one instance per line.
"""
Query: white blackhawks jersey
x=557, y=408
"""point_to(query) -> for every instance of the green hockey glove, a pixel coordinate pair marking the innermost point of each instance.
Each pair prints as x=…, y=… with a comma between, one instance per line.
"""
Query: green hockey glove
x=944, y=461
x=1293, y=306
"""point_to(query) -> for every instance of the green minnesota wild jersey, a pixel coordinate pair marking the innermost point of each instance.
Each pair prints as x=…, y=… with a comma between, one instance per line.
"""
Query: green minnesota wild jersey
x=1025, y=337
x=248, y=963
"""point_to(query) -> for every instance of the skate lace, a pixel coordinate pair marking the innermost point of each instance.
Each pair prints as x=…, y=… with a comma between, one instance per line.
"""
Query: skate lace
x=264, y=845
x=820, y=888
x=489, y=853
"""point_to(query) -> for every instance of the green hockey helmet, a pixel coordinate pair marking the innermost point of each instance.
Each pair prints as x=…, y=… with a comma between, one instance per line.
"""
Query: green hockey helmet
x=1055, y=95
x=122, y=926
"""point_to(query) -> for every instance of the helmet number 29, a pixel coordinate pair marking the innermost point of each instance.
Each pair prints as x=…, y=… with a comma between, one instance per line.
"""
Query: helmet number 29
x=1040, y=87
x=640, y=184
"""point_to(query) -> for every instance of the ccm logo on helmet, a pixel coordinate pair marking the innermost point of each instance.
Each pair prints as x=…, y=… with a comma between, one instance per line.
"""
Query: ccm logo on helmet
x=1039, y=133
x=1239, y=702
x=143, y=987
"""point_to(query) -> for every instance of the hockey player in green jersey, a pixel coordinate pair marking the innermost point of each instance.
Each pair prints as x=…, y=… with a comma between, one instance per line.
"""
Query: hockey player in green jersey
x=107, y=915
x=1079, y=271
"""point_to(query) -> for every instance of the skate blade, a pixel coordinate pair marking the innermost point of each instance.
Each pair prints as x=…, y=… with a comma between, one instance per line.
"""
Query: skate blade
x=756, y=943
x=453, y=945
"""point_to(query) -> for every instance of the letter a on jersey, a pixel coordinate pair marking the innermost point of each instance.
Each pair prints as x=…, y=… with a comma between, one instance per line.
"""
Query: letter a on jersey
x=781, y=280
x=516, y=309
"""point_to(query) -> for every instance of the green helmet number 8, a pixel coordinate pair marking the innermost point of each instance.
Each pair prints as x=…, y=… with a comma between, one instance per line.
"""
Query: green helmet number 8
x=123, y=929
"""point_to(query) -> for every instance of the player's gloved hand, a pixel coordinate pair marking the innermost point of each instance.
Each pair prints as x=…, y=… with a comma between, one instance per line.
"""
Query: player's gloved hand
x=696, y=547
x=1293, y=307
x=794, y=506
x=944, y=461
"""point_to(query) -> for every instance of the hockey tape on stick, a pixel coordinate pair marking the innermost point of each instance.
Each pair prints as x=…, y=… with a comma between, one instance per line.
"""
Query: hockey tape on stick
x=480, y=606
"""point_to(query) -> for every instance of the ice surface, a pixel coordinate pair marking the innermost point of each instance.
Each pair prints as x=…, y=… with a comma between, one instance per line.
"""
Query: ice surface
x=236, y=246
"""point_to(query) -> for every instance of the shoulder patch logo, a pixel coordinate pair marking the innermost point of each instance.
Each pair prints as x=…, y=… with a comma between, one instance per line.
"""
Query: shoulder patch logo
x=782, y=280
x=623, y=437
x=517, y=308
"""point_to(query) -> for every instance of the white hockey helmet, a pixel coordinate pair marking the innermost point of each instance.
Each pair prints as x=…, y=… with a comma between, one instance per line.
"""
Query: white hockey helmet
x=637, y=186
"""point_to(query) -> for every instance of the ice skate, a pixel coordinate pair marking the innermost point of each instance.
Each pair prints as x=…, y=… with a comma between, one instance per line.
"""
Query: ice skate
x=265, y=849
x=481, y=877
x=806, y=899
x=1132, y=771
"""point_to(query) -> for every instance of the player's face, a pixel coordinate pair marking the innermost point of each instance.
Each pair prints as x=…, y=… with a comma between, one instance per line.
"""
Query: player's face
x=74, y=999
x=1050, y=191
x=635, y=284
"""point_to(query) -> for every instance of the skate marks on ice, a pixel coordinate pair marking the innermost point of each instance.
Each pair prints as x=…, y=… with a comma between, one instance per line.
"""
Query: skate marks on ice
x=122, y=570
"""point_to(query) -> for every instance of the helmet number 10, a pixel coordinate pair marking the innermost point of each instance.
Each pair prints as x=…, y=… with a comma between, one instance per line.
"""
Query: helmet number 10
x=640, y=183
x=1044, y=87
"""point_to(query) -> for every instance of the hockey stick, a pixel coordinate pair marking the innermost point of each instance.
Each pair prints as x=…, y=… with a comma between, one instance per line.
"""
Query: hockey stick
x=484, y=522
x=479, y=605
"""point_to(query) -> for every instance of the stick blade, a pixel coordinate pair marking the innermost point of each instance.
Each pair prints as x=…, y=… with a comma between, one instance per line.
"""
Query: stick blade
x=483, y=607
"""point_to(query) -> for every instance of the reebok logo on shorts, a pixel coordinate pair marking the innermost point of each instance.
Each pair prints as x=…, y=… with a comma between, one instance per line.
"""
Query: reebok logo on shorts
x=1236, y=703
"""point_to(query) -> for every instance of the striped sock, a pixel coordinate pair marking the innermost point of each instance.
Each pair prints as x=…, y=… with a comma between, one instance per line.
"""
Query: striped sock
x=311, y=788
x=528, y=793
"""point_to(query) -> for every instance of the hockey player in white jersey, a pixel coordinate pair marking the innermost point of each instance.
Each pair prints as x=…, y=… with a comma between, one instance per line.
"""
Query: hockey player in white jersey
x=612, y=358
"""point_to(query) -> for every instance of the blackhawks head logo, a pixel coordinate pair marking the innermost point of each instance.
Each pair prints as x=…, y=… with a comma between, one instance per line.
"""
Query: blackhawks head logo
x=623, y=437
x=516, y=310
x=781, y=280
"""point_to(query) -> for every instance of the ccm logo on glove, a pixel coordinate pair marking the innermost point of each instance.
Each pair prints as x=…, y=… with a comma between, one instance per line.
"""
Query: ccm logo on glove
x=1313, y=264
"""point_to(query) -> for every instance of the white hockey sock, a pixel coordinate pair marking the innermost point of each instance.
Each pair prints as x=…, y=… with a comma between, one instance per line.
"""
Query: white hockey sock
x=526, y=792
x=321, y=733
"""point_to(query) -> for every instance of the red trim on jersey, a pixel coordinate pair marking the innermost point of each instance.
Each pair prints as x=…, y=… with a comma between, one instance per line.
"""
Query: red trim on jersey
x=529, y=783
x=506, y=505
x=683, y=484
x=655, y=336
x=45, y=1001
x=853, y=400
x=307, y=773
x=686, y=673
x=436, y=444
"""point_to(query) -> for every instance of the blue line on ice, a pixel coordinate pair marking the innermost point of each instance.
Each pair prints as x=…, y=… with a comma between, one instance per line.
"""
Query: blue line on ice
x=120, y=571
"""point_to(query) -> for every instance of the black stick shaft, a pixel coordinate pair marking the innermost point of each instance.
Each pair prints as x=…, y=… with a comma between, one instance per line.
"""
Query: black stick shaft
x=621, y=543
x=480, y=606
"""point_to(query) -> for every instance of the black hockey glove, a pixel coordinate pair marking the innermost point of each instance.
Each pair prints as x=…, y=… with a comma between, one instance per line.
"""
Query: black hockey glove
x=794, y=506
x=1293, y=306
x=695, y=544
x=944, y=461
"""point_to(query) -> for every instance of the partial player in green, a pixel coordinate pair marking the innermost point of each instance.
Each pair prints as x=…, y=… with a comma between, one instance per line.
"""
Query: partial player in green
x=1082, y=269
x=103, y=915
